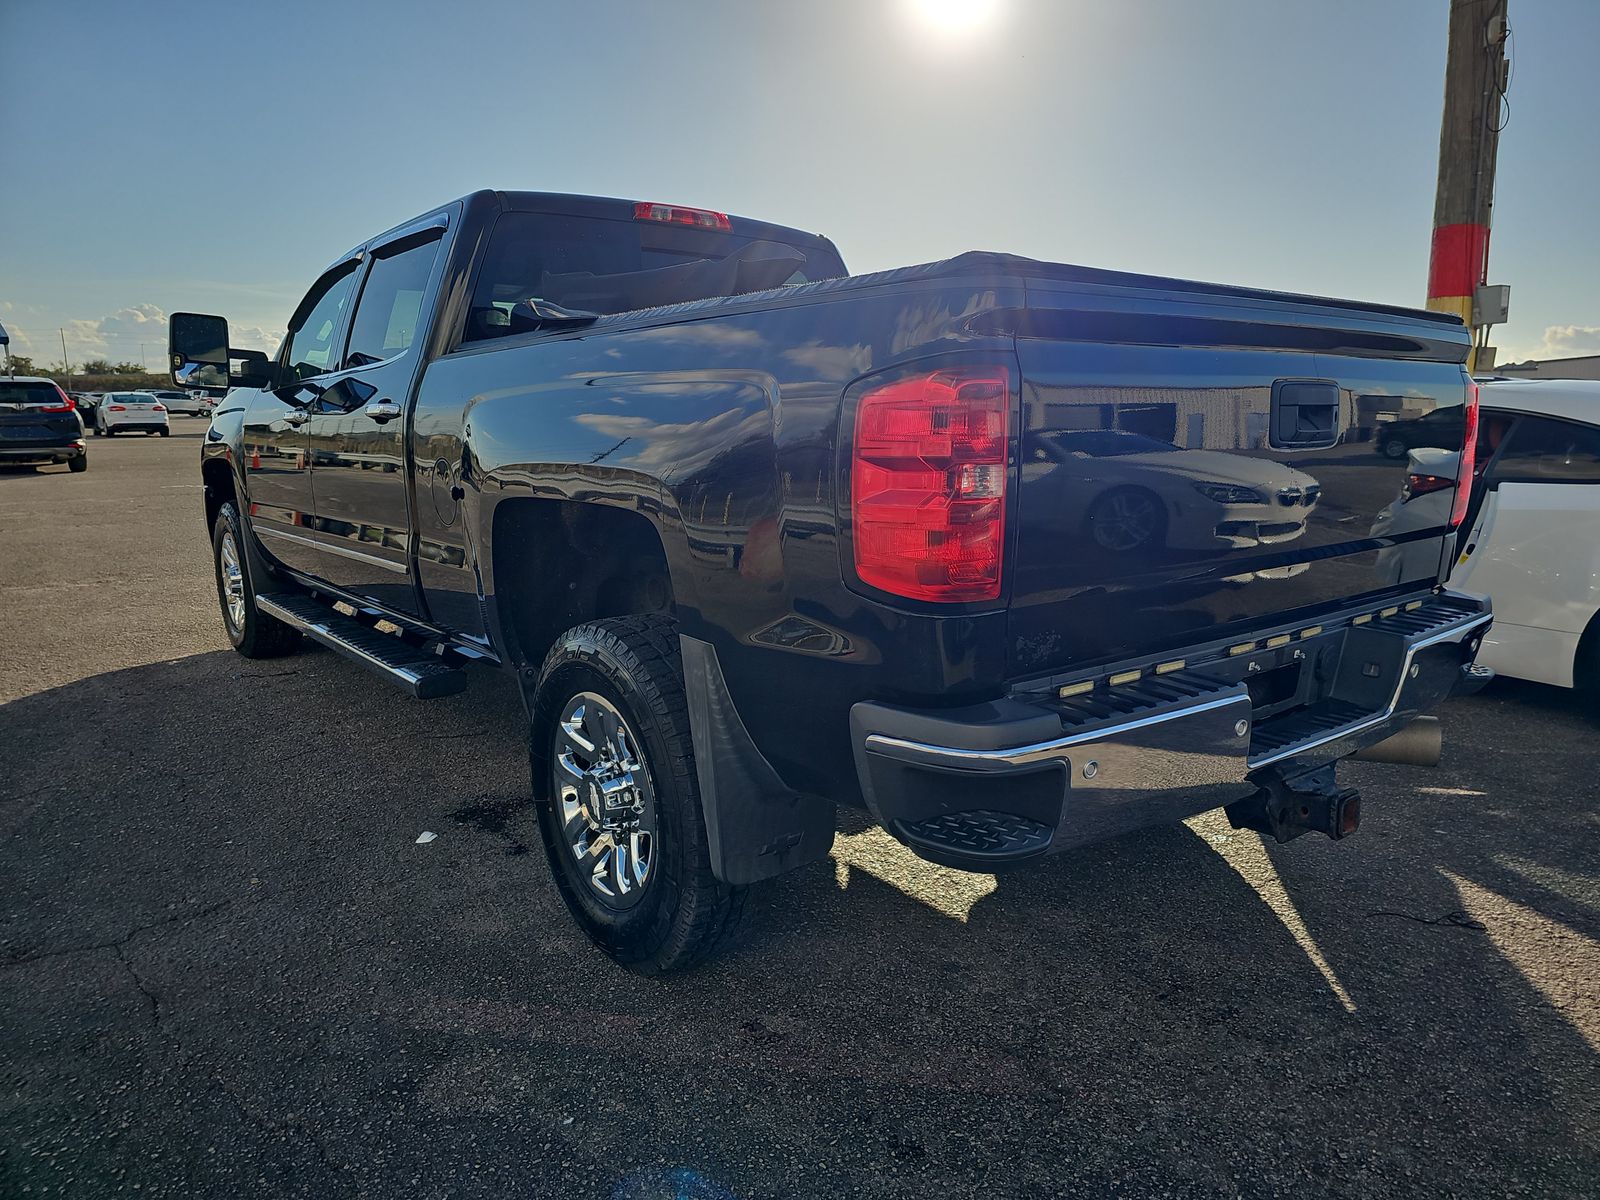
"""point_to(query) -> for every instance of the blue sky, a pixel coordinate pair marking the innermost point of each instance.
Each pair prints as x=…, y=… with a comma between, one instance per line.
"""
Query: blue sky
x=215, y=156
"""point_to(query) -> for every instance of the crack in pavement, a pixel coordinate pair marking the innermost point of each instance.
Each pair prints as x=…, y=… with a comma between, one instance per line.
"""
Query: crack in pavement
x=118, y=943
x=337, y=1170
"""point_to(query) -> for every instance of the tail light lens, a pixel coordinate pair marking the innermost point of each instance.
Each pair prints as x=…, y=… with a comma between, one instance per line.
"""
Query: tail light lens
x=928, y=478
x=64, y=403
x=1469, y=458
x=117, y=407
x=1421, y=485
x=158, y=408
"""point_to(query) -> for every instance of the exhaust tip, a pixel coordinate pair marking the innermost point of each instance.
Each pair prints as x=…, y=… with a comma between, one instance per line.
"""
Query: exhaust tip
x=1419, y=744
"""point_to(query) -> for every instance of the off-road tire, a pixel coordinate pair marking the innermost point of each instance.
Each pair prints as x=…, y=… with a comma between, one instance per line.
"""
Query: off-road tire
x=685, y=914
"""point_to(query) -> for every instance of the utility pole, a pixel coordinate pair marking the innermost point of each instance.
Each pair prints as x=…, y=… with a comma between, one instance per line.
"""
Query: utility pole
x=1474, y=85
x=65, y=365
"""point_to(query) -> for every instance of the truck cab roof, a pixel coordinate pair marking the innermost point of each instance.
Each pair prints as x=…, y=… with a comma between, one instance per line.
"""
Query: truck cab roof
x=487, y=203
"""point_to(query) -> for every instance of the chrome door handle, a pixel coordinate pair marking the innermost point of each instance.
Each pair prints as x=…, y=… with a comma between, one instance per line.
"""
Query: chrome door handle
x=381, y=411
x=296, y=418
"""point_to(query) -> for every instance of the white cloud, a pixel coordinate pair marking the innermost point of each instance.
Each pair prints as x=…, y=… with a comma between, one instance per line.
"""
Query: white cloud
x=1569, y=341
x=131, y=334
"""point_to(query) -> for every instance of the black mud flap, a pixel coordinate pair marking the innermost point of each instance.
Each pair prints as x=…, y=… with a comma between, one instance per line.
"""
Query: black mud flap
x=758, y=827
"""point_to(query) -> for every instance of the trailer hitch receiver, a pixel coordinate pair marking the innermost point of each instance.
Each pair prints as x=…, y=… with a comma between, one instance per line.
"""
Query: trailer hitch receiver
x=1287, y=808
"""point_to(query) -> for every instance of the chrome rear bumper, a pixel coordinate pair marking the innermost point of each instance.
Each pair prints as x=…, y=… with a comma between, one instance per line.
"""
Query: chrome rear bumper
x=1026, y=776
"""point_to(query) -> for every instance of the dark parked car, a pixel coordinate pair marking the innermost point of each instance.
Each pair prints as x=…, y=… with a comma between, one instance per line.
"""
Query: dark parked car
x=39, y=424
x=757, y=539
x=1440, y=428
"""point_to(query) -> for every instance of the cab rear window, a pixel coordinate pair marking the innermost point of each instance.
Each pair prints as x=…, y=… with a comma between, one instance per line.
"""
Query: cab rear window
x=605, y=265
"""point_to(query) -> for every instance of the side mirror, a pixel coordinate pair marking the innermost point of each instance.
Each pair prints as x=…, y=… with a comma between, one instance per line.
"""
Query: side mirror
x=197, y=350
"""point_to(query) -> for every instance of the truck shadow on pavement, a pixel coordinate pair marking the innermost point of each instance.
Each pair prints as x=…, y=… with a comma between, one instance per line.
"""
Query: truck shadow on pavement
x=221, y=933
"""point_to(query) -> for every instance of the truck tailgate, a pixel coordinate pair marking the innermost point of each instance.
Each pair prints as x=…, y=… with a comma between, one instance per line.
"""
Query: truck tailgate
x=1196, y=463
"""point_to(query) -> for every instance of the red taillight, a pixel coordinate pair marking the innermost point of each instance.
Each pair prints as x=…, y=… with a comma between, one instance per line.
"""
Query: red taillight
x=158, y=408
x=116, y=408
x=1469, y=457
x=66, y=404
x=1421, y=485
x=672, y=214
x=928, y=484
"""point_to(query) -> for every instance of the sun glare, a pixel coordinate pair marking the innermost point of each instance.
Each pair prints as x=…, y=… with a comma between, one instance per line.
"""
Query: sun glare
x=953, y=17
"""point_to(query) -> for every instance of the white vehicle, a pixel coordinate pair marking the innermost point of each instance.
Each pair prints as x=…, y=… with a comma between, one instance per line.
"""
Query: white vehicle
x=189, y=404
x=1533, y=541
x=130, y=412
x=1128, y=493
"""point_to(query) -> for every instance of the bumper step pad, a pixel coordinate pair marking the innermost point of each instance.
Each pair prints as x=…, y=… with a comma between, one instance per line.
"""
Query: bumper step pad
x=983, y=834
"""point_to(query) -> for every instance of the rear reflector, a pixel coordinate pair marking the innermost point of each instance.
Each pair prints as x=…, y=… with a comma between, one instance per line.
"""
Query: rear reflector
x=671, y=214
x=928, y=478
x=1469, y=457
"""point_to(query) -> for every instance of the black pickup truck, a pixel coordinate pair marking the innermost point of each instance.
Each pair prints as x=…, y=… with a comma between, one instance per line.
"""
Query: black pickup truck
x=1015, y=555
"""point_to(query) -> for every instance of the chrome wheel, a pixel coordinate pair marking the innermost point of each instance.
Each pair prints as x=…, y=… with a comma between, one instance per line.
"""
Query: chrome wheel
x=605, y=800
x=232, y=580
x=1125, y=521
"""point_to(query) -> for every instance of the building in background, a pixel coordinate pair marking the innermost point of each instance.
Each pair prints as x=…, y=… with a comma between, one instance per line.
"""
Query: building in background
x=1586, y=366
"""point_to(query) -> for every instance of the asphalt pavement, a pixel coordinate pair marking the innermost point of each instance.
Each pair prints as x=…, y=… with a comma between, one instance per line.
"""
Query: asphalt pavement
x=228, y=969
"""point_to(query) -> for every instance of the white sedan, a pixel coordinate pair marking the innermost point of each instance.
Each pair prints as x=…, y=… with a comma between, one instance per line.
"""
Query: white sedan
x=1533, y=540
x=130, y=412
x=1131, y=493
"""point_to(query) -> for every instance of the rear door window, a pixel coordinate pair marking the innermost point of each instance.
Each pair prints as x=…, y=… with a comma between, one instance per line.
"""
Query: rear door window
x=391, y=301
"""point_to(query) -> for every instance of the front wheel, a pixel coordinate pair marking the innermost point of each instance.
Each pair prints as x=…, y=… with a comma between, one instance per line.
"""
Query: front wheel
x=619, y=804
x=1394, y=448
x=252, y=632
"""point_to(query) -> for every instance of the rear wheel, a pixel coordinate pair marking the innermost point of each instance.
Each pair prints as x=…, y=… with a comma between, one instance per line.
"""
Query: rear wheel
x=1394, y=448
x=253, y=633
x=79, y=464
x=166, y=433
x=110, y=432
x=619, y=807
